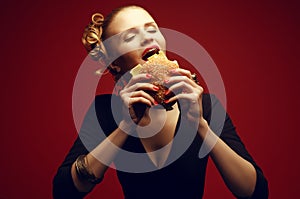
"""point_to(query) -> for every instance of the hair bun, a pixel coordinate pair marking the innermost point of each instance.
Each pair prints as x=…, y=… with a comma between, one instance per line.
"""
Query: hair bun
x=98, y=19
x=91, y=38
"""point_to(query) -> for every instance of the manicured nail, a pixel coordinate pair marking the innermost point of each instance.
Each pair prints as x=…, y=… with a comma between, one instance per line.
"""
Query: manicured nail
x=156, y=88
x=148, y=76
x=167, y=92
x=155, y=103
x=166, y=80
x=167, y=101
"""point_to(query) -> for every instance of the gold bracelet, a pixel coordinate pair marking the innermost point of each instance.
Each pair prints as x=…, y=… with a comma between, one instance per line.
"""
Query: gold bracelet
x=83, y=172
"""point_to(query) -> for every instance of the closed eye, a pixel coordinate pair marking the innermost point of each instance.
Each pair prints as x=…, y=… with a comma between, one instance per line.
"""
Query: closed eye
x=129, y=37
x=151, y=29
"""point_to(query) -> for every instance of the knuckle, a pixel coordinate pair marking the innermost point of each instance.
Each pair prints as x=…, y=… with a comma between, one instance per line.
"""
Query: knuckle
x=201, y=89
x=184, y=78
x=182, y=83
x=140, y=99
x=140, y=92
x=189, y=73
x=139, y=85
x=135, y=86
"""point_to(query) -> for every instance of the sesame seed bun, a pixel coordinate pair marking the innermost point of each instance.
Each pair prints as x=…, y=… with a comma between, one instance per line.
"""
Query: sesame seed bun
x=159, y=66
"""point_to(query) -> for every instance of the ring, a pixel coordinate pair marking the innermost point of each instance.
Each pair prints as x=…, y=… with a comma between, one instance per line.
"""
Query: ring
x=194, y=78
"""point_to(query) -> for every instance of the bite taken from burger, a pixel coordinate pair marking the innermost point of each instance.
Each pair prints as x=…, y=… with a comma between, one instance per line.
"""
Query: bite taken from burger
x=158, y=66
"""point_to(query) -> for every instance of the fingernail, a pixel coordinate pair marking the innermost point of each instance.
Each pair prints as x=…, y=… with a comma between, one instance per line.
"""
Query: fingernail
x=155, y=103
x=173, y=71
x=156, y=88
x=166, y=80
x=167, y=101
x=148, y=75
x=167, y=92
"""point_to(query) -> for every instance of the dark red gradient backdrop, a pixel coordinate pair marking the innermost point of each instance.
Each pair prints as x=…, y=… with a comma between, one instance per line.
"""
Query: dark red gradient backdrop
x=255, y=45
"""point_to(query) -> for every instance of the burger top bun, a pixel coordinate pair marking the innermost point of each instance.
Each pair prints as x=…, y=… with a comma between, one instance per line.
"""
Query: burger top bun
x=158, y=65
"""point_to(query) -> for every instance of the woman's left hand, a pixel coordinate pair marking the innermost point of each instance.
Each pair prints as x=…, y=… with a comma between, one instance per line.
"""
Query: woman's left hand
x=189, y=95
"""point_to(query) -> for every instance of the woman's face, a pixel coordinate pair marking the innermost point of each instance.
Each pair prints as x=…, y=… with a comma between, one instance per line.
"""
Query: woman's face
x=135, y=32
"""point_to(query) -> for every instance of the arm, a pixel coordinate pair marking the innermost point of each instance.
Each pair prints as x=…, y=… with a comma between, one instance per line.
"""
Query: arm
x=238, y=169
x=66, y=183
x=102, y=142
x=238, y=174
x=107, y=152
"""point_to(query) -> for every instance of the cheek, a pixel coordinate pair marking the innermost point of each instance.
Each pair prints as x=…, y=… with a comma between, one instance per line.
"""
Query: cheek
x=161, y=41
x=117, y=48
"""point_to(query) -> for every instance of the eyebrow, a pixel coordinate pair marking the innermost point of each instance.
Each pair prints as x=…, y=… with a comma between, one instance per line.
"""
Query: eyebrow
x=150, y=24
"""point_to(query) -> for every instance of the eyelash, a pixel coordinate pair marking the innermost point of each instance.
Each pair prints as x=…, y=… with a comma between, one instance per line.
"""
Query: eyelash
x=150, y=29
x=128, y=39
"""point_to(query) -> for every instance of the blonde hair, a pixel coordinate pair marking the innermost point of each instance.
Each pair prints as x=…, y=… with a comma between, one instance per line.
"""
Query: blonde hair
x=96, y=32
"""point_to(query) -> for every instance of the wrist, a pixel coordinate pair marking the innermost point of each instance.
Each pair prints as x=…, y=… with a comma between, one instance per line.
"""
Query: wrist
x=203, y=127
x=126, y=126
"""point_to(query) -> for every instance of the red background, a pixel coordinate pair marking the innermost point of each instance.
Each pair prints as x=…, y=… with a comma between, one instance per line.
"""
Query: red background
x=254, y=44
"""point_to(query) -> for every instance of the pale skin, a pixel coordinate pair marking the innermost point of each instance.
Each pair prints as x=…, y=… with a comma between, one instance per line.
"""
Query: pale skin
x=238, y=174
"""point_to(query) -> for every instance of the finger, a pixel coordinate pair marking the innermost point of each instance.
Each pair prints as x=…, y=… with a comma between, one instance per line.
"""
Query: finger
x=135, y=100
x=186, y=73
x=181, y=78
x=139, y=78
x=181, y=71
x=140, y=86
x=143, y=94
x=191, y=97
x=180, y=87
x=131, y=98
x=181, y=83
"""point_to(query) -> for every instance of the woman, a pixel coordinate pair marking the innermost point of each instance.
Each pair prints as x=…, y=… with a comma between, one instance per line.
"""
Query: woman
x=85, y=166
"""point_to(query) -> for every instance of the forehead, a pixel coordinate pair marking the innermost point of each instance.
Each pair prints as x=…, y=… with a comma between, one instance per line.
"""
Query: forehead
x=129, y=18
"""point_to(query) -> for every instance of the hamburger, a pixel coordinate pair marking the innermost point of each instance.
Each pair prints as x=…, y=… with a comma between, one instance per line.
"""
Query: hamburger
x=158, y=65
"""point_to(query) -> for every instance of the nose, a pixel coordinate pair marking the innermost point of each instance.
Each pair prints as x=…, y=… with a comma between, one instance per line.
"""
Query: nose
x=146, y=38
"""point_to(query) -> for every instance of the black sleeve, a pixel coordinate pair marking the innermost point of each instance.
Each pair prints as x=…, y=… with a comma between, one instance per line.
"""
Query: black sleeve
x=63, y=186
x=96, y=125
x=229, y=135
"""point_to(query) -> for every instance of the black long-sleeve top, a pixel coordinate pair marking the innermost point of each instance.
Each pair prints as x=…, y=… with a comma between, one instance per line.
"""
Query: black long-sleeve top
x=184, y=175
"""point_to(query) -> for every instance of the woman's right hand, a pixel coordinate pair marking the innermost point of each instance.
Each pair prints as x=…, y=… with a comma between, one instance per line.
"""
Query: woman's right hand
x=136, y=101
